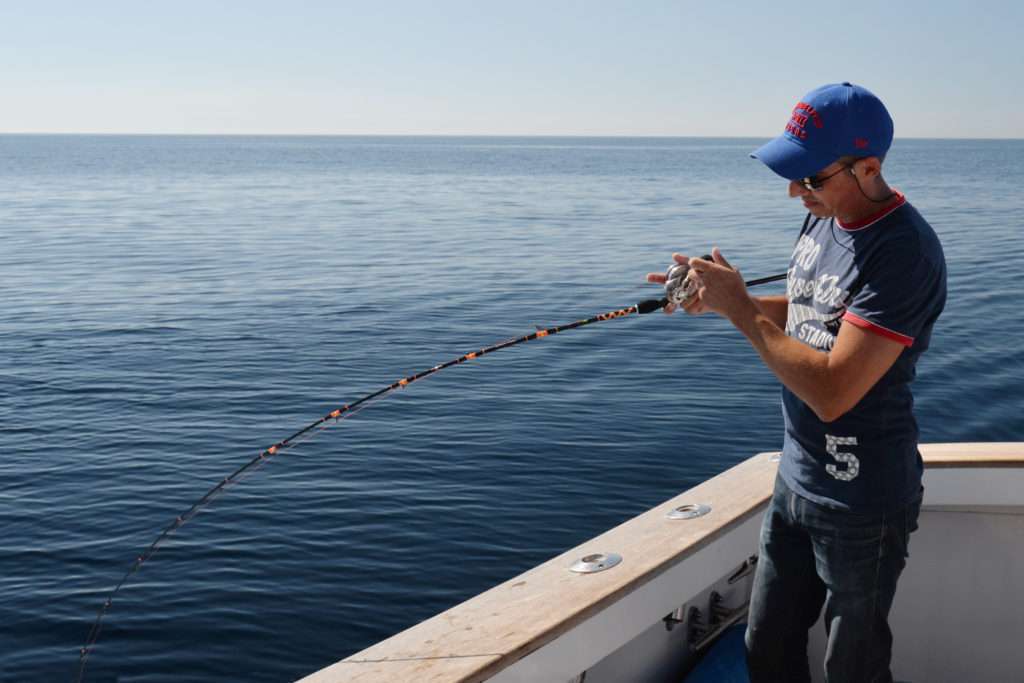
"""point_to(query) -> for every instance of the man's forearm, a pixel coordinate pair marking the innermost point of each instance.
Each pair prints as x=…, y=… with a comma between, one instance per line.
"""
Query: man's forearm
x=775, y=307
x=831, y=382
x=802, y=369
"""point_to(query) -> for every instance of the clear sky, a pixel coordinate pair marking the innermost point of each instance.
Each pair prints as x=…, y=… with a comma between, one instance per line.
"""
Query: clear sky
x=502, y=67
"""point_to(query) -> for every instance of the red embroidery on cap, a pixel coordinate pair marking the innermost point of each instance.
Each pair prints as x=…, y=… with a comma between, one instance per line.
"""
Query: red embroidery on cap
x=860, y=143
x=802, y=114
x=818, y=123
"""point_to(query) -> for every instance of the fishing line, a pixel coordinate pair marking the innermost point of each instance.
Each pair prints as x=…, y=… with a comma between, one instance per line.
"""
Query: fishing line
x=675, y=293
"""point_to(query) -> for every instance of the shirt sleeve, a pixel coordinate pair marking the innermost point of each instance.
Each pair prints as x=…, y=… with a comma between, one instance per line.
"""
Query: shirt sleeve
x=901, y=292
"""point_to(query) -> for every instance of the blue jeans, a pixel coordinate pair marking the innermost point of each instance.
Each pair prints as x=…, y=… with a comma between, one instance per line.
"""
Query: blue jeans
x=810, y=556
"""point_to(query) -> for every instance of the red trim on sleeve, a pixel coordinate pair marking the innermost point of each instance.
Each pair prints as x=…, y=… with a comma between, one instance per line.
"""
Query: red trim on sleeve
x=878, y=329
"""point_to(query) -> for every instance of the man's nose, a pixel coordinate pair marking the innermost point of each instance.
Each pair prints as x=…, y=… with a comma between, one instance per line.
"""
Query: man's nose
x=797, y=189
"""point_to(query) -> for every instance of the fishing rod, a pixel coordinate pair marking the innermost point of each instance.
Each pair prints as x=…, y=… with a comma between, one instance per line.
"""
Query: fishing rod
x=679, y=289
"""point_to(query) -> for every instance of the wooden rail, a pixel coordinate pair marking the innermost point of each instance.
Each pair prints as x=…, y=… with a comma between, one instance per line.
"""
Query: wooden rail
x=477, y=639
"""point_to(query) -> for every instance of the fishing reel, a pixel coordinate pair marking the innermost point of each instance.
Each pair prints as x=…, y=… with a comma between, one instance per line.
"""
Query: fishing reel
x=680, y=288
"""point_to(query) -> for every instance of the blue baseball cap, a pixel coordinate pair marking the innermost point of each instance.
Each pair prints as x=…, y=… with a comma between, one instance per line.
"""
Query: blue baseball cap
x=835, y=120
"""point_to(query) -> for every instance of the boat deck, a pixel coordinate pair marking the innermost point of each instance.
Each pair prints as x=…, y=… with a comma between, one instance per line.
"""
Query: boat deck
x=552, y=624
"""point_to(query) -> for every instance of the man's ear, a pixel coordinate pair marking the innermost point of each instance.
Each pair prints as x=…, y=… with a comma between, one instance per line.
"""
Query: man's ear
x=868, y=167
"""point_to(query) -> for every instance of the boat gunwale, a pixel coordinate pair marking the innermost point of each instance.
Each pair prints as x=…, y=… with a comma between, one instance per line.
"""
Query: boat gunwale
x=417, y=654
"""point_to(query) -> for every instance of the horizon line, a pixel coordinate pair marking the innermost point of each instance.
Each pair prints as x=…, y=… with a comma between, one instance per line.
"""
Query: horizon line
x=464, y=135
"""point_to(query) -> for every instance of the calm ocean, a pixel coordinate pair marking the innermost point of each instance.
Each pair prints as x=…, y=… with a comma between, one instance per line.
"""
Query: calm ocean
x=170, y=306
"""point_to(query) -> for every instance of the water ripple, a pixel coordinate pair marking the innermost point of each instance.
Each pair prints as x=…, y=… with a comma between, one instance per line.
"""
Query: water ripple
x=174, y=305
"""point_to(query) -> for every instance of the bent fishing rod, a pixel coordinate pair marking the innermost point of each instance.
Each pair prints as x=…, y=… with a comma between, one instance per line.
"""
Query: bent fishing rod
x=679, y=290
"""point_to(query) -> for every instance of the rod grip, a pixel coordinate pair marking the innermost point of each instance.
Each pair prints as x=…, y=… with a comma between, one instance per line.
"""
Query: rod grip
x=650, y=305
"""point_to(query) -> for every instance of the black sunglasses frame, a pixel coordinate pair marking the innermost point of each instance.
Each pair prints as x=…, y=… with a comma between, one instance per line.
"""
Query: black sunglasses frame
x=816, y=184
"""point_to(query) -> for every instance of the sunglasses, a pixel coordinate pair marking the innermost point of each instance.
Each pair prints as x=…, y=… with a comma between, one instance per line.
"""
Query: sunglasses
x=815, y=183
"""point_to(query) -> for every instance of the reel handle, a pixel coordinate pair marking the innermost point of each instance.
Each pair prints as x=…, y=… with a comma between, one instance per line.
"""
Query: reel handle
x=676, y=290
x=679, y=288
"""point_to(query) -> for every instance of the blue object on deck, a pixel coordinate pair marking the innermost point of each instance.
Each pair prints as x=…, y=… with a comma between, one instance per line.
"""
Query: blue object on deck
x=725, y=662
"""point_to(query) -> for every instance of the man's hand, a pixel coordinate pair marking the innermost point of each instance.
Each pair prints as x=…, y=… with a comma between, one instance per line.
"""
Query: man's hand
x=722, y=289
x=693, y=306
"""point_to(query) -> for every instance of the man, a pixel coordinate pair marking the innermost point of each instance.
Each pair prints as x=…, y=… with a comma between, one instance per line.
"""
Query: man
x=866, y=282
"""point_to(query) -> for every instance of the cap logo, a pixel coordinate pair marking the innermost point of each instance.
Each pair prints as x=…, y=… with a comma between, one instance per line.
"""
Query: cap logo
x=860, y=143
x=802, y=113
x=818, y=123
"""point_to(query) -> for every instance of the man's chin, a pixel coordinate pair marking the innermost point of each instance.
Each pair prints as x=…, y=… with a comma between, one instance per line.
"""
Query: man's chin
x=817, y=210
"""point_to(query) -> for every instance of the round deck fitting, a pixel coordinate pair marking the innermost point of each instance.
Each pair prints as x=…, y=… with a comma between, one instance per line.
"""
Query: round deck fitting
x=595, y=562
x=689, y=511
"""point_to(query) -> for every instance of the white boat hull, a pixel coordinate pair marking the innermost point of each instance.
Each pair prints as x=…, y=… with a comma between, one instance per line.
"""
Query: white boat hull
x=957, y=616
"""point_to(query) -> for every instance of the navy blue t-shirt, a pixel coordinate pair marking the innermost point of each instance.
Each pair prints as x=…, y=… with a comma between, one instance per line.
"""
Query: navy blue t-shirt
x=886, y=274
